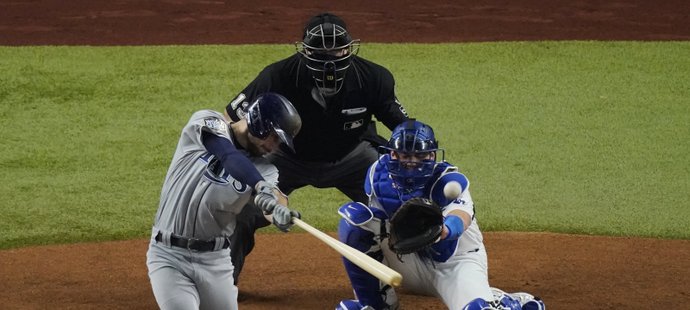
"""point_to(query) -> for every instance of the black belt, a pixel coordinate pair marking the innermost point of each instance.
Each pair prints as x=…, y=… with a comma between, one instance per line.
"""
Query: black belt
x=193, y=244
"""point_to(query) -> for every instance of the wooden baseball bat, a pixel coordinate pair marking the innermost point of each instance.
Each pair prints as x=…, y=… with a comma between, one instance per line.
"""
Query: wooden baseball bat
x=370, y=265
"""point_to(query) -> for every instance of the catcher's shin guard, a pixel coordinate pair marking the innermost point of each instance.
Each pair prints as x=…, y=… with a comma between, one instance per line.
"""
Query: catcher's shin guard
x=358, y=229
x=365, y=285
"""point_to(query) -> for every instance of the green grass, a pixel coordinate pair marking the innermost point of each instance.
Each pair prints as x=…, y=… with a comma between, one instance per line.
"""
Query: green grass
x=574, y=137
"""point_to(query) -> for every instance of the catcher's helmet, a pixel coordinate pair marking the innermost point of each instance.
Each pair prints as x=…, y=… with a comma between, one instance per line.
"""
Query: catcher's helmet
x=327, y=49
x=416, y=139
x=273, y=112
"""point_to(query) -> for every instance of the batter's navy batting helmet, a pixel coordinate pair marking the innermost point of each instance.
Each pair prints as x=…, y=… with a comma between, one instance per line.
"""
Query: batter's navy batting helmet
x=327, y=49
x=416, y=139
x=273, y=112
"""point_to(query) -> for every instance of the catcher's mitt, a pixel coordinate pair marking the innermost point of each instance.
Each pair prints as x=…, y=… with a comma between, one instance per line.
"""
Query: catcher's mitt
x=415, y=226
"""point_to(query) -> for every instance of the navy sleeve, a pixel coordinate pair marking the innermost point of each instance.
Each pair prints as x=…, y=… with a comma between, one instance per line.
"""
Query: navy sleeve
x=234, y=161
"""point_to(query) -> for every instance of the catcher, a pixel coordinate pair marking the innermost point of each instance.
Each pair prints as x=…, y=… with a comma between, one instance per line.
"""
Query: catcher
x=434, y=241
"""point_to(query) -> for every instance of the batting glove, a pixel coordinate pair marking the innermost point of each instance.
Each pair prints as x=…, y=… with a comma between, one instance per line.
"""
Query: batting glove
x=265, y=197
x=282, y=217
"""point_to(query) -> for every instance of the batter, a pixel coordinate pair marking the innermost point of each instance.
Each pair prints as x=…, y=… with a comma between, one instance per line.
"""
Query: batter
x=214, y=173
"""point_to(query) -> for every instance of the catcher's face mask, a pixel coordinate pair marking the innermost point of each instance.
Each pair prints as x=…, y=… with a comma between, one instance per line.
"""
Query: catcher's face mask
x=411, y=171
x=413, y=150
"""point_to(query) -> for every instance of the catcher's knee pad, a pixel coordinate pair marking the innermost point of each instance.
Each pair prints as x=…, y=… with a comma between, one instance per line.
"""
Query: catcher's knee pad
x=359, y=214
x=360, y=225
x=356, y=213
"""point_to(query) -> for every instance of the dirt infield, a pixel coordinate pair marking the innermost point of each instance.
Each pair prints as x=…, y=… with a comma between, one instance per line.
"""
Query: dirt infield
x=569, y=272
x=131, y=22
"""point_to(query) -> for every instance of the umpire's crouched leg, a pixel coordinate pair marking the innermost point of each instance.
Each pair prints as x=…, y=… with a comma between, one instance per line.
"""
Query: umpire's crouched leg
x=242, y=240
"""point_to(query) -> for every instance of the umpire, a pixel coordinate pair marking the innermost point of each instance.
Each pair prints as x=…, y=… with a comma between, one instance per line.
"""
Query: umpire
x=336, y=93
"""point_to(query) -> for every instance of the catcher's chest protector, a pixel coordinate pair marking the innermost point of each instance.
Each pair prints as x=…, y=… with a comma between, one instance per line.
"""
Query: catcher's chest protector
x=390, y=198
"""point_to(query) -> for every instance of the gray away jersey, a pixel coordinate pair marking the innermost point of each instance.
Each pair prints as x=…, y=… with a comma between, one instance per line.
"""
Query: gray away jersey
x=199, y=198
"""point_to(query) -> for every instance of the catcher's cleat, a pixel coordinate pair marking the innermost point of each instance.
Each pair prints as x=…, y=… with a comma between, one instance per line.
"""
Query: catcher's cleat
x=352, y=304
x=527, y=301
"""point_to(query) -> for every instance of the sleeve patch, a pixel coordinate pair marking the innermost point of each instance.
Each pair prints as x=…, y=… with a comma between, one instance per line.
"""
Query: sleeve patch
x=216, y=125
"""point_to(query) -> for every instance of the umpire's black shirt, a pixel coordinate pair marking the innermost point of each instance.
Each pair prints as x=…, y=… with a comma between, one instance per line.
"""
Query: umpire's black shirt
x=331, y=132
